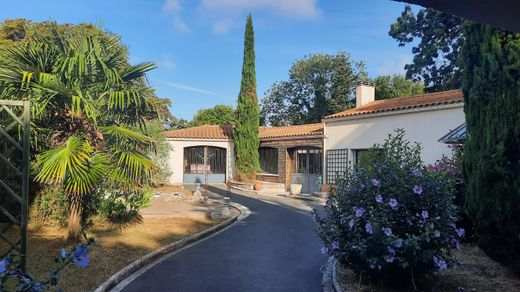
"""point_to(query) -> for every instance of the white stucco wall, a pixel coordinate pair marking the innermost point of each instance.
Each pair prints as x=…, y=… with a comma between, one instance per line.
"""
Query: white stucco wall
x=425, y=127
x=177, y=156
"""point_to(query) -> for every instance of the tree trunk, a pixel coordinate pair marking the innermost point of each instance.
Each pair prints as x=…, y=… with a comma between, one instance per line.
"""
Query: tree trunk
x=74, y=227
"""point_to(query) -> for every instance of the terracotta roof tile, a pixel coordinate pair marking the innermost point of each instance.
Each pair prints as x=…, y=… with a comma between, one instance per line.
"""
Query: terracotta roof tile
x=203, y=132
x=291, y=131
x=226, y=132
x=404, y=103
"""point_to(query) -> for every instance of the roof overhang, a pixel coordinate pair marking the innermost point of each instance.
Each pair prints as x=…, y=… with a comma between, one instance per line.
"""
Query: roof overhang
x=394, y=112
x=499, y=13
x=290, y=138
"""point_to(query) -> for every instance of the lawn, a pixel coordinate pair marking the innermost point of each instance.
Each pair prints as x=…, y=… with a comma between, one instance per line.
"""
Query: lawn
x=115, y=248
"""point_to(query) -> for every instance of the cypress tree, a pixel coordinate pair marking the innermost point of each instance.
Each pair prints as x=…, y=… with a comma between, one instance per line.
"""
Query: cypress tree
x=248, y=119
x=491, y=85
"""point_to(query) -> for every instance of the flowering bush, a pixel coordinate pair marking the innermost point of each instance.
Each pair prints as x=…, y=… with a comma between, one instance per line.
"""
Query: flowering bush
x=392, y=218
x=8, y=269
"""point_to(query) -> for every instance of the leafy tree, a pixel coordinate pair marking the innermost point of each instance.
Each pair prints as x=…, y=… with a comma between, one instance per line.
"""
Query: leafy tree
x=318, y=85
x=174, y=123
x=247, y=116
x=436, y=54
x=491, y=59
x=85, y=100
x=392, y=86
x=217, y=115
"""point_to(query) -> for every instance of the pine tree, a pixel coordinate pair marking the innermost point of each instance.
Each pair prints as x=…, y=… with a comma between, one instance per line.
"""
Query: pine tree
x=247, y=122
x=491, y=60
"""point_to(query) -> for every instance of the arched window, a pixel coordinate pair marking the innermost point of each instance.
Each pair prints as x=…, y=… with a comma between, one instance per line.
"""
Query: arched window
x=268, y=160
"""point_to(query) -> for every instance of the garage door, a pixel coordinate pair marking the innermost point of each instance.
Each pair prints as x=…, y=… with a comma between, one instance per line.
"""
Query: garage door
x=204, y=164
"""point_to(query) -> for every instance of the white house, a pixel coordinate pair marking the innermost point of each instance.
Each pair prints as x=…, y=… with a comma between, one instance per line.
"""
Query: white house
x=306, y=154
x=425, y=118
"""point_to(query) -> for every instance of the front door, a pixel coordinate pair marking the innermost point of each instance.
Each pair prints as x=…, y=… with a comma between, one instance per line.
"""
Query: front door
x=204, y=164
x=307, y=165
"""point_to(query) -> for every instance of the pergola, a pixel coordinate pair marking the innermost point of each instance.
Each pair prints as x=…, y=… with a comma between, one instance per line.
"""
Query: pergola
x=499, y=13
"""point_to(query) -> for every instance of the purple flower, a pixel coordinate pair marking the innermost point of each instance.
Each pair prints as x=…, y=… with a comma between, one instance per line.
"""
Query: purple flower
x=314, y=217
x=417, y=189
x=393, y=203
x=335, y=245
x=387, y=231
x=389, y=259
x=398, y=242
x=440, y=263
x=4, y=264
x=80, y=256
x=359, y=211
x=460, y=232
x=368, y=228
x=351, y=223
x=63, y=253
x=390, y=250
x=437, y=233
x=372, y=266
x=379, y=198
x=424, y=215
x=417, y=172
x=376, y=182
x=324, y=250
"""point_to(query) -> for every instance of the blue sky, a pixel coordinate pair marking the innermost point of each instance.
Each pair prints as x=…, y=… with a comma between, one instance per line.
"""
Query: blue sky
x=198, y=43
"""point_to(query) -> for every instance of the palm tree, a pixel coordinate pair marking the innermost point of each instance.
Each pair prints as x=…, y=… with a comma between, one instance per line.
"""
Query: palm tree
x=85, y=100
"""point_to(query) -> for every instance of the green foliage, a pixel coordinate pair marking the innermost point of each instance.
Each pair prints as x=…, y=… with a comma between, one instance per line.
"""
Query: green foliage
x=174, y=123
x=392, y=219
x=51, y=206
x=439, y=37
x=123, y=206
x=86, y=102
x=318, y=85
x=491, y=59
x=392, y=86
x=247, y=114
x=160, y=155
x=217, y=115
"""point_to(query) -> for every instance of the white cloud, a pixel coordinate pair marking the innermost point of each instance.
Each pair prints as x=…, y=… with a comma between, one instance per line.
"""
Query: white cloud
x=188, y=88
x=288, y=8
x=168, y=63
x=180, y=25
x=172, y=5
x=222, y=26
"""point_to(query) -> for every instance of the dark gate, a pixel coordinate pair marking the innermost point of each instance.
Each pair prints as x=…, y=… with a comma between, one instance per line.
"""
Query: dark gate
x=14, y=177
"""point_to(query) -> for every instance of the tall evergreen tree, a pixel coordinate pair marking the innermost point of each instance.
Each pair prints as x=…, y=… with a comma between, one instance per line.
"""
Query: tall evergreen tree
x=247, y=122
x=491, y=60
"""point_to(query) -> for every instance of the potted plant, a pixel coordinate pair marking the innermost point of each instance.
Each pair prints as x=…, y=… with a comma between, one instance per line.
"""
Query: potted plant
x=258, y=185
x=295, y=189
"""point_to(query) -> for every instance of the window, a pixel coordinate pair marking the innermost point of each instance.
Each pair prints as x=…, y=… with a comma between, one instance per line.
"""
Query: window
x=268, y=160
x=308, y=161
x=204, y=159
x=337, y=164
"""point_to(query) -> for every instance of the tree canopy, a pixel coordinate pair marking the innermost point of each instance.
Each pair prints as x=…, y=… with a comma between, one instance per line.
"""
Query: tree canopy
x=86, y=100
x=217, y=115
x=392, y=86
x=318, y=85
x=438, y=38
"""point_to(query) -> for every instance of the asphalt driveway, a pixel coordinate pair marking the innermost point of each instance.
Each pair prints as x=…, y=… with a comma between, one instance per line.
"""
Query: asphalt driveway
x=274, y=249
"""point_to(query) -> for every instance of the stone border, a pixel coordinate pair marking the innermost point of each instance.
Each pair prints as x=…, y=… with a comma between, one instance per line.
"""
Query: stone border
x=329, y=280
x=167, y=250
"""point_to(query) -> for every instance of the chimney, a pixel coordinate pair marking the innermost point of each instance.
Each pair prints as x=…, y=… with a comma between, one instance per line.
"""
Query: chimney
x=365, y=93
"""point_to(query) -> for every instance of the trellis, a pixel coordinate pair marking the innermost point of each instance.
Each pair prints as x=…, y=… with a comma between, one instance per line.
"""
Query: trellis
x=14, y=177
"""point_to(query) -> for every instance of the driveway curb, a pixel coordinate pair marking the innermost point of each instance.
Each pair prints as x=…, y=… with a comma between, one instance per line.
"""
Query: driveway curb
x=329, y=281
x=165, y=251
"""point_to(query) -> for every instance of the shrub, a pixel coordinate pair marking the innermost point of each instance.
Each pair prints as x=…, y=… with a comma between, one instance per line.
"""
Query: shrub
x=119, y=206
x=451, y=169
x=392, y=218
x=50, y=206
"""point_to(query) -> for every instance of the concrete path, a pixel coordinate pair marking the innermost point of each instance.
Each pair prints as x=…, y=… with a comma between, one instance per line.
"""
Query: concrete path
x=274, y=249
